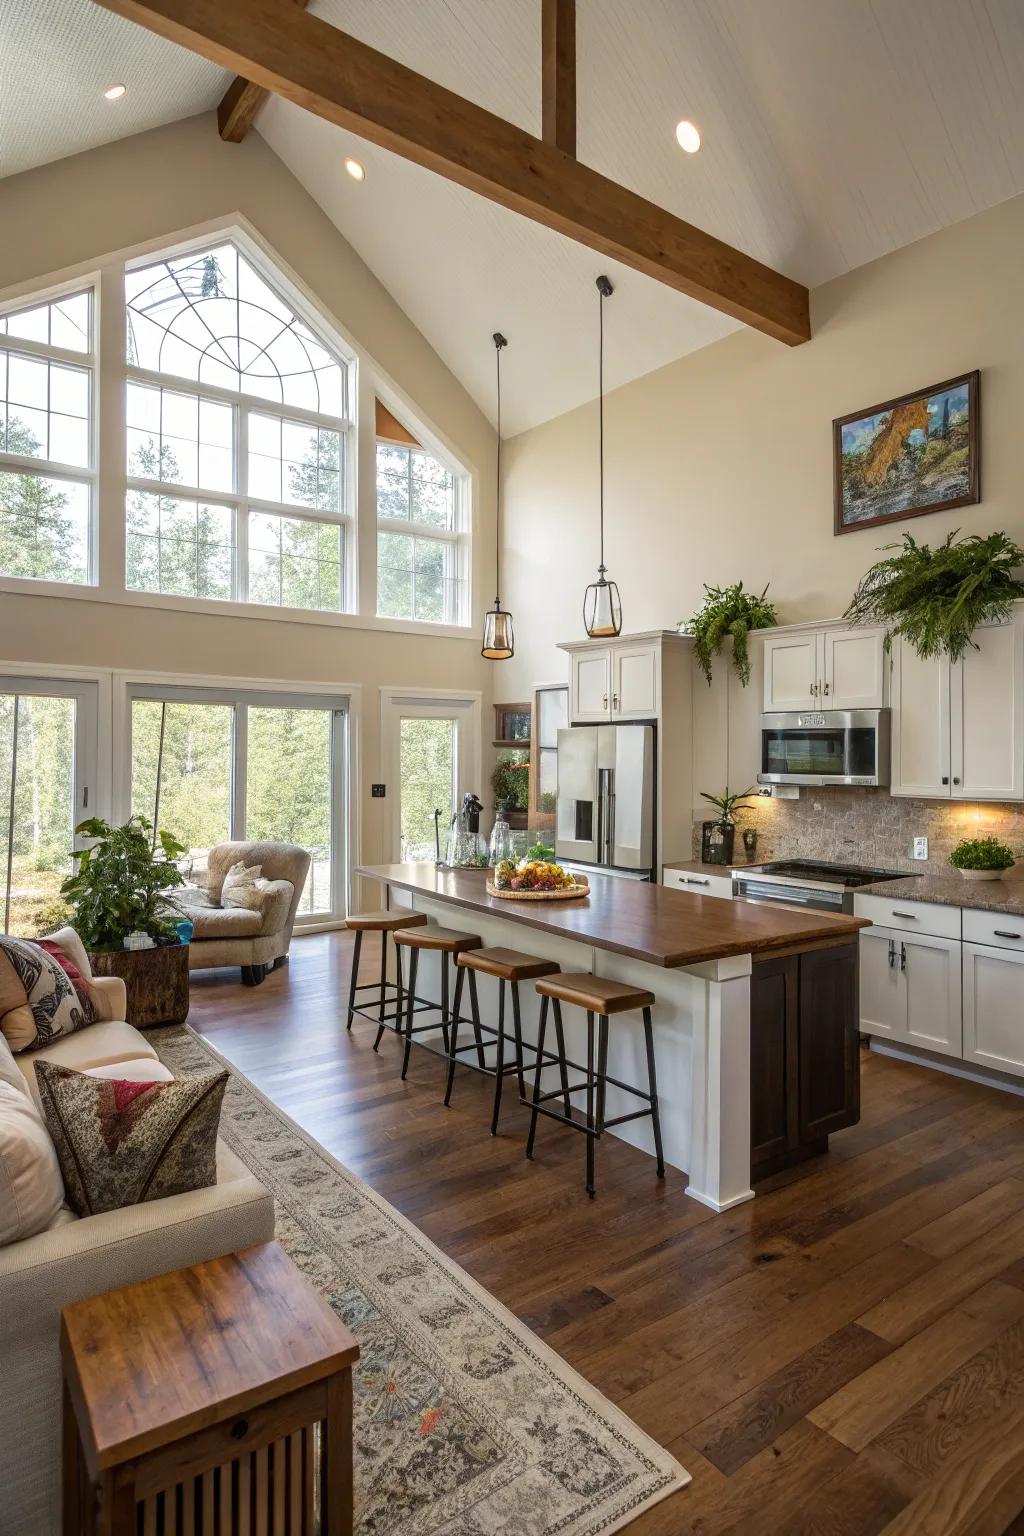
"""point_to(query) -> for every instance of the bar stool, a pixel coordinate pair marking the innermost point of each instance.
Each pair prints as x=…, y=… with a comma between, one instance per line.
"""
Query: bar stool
x=603, y=997
x=447, y=942
x=382, y=923
x=509, y=967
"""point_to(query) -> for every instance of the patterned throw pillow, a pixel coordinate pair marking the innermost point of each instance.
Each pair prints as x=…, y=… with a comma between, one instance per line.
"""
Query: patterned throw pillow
x=121, y=1143
x=52, y=1003
x=243, y=887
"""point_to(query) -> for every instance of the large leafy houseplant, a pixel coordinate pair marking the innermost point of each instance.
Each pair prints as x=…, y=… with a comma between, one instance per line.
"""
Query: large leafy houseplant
x=729, y=613
x=936, y=598
x=119, y=882
x=728, y=806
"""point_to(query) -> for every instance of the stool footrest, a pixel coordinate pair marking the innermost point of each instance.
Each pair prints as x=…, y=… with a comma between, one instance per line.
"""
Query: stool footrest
x=638, y=1114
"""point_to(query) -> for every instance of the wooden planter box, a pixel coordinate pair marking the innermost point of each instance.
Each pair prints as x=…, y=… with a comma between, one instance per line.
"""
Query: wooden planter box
x=156, y=981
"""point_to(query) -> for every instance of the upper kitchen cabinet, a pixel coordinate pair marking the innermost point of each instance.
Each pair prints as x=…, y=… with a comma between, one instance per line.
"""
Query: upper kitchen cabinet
x=822, y=669
x=618, y=680
x=958, y=727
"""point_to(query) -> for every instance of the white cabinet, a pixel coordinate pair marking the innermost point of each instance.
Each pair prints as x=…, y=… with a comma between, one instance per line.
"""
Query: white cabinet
x=958, y=727
x=591, y=686
x=620, y=681
x=910, y=989
x=993, y=980
x=698, y=884
x=825, y=669
x=634, y=682
x=790, y=672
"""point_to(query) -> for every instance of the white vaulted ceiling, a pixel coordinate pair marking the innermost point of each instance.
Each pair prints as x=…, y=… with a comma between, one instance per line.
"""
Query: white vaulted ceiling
x=834, y=131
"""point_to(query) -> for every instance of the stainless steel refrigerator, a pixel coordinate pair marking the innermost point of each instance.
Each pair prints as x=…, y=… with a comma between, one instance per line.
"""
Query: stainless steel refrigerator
x=605, y=808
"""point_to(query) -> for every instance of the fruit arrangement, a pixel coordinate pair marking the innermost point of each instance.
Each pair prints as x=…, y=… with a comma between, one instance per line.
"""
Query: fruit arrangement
x=532, y=875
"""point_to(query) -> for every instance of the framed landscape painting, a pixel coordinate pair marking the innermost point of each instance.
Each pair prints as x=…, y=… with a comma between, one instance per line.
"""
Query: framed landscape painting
x=907, y=457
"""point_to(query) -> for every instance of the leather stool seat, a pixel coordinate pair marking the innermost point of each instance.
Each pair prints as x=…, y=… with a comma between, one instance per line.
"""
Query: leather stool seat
x=384, y=922
x=448, y=940
x=507, y=964
x=597, y=994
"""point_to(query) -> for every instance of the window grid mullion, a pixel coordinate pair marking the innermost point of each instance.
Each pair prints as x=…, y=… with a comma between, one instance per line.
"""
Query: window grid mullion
x=241, y=437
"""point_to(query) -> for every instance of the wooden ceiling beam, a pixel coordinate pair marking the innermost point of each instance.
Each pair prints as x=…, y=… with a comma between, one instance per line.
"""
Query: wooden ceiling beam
x=283, y=48
x=240, y=104
x=558, y=74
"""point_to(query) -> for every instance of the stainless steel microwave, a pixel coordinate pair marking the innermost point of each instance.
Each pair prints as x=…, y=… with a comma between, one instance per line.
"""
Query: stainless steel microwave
x=832, y=746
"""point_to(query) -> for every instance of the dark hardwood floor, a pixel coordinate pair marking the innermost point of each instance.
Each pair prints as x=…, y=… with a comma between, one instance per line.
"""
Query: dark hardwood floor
x=842, y=1356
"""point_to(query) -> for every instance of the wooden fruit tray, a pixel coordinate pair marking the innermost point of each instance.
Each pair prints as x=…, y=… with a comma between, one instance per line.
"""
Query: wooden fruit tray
x=568, y=893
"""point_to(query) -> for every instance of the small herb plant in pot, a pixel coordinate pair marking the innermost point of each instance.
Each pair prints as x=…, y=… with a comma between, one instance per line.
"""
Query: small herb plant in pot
x=718, y=837
x=982, y=858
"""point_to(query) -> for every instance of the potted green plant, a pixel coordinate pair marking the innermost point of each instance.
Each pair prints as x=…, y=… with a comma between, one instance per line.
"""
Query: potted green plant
x=118, y=887
x=728, y=613
x=936, y=598
x=982, y=858
x=718, y=836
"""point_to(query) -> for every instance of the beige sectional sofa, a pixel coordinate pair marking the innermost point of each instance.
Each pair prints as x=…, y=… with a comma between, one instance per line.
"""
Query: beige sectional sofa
x=78, y=1257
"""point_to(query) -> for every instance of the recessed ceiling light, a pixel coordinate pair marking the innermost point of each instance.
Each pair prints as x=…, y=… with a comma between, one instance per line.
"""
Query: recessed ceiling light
x=688, y=135
x=355, y=170
x=115, y=92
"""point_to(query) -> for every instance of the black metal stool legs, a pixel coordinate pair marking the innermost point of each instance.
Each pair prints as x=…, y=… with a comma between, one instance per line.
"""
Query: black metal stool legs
x=652, y=1085
x=399, y=996
x=535, y=1102
x=410, y=1008
x=499, y=1068
x=453, y=1037
x=355, y=979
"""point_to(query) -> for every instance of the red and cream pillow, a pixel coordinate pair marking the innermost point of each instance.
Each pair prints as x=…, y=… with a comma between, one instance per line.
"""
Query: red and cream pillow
x=43, y=994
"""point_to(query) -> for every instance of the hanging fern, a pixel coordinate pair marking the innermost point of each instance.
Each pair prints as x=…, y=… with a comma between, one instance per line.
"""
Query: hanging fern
x=936, y=598
x=729, y=613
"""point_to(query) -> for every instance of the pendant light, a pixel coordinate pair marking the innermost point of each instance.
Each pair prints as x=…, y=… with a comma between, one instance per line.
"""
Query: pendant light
x=499, y=640
x=602, y=610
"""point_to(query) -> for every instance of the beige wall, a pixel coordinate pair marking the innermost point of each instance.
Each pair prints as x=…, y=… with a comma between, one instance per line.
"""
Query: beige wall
x=151, y=186
x=719, y=466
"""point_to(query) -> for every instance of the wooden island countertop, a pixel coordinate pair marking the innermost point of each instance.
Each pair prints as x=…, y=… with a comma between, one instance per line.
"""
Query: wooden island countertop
x=653, y=923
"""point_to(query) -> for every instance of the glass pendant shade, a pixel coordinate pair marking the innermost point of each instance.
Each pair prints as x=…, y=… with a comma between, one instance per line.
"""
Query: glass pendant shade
x=499, y=639
x=602, y=611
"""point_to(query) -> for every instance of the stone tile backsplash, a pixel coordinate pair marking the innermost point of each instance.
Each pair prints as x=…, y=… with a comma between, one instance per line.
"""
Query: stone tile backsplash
x=870, y=826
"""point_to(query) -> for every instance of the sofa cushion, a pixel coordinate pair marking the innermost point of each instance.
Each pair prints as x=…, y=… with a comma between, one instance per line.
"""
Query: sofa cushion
x=121, y=1143
x=146, y=1069
x=10, y=1070
x=31, y=1189
x=227, y=923
x=97, y=1046
x=54, y=1006
x=243, y=887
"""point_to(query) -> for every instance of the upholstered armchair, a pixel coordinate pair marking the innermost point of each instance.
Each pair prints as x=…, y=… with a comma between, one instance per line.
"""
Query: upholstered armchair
x=255, y=939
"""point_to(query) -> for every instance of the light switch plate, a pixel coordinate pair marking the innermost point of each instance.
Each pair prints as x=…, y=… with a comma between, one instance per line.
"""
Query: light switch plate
x=920, y=848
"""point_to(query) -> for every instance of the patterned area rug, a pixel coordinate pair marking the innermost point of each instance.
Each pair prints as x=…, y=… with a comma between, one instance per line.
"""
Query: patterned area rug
x=466, y=1424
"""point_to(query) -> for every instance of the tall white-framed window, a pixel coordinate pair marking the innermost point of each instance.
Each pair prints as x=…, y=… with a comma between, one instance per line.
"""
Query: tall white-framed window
x=48, y=448
x=238, y=438
x=423, y=532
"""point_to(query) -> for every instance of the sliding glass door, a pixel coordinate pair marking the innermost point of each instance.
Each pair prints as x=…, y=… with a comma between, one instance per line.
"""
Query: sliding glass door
x=211, y=765
x=48, y=747
x=431, y=747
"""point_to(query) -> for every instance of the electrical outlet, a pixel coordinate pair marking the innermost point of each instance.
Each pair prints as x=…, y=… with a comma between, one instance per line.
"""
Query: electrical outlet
x=920, y=848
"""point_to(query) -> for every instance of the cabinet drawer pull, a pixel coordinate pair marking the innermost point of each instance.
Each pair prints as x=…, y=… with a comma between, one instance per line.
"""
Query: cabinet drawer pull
x=692, y=880
x=1004, y=933
x=911, y=916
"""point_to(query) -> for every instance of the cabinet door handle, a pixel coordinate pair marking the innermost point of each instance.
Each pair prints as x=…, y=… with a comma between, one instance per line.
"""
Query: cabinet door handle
x=910, y=916
x=826, y=690
x=604, y=702
x=903, y=957
x=1004, y=933
x=892, y=954
x=615, y=701
x=956, y=781
x=945, y=778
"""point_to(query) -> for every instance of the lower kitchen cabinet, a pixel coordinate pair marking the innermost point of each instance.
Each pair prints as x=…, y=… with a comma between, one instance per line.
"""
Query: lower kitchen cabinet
x=993, y=1013
x=910, y=989
x=804, y=1064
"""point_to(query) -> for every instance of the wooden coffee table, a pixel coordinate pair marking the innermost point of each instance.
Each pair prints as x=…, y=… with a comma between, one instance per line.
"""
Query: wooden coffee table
x=208, y=1401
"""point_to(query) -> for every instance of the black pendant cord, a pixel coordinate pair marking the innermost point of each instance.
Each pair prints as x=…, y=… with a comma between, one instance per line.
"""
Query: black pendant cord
x=499, y=342
x=604, y=289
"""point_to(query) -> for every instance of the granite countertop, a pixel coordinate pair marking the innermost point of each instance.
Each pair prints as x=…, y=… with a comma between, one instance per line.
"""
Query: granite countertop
x=952, y=891
x=650, y=922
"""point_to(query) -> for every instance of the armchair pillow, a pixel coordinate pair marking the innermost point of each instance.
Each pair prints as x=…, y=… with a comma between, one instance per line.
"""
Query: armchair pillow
x=41, y=999
x=244, y=887
x=122, y=1143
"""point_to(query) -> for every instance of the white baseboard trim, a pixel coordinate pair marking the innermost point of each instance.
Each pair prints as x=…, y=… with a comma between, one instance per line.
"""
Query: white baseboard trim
x=972, y=1073
x=719, y=1205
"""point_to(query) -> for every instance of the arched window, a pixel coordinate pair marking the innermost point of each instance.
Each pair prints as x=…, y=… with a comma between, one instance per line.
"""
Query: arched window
x=238, y=438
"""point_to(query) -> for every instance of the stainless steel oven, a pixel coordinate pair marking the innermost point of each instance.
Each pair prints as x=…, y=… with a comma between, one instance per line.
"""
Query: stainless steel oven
x=834, y=746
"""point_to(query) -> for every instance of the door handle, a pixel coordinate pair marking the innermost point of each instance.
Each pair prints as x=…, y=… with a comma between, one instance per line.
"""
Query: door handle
x=615, y=701
x=826, y=690
x=604, y=702
x=1004, y=933
x=892, y=954
x=903, y=957
x=910, y=916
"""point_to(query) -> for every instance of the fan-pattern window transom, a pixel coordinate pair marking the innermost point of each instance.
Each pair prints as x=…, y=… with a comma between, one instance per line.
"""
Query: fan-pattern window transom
x=236, y=410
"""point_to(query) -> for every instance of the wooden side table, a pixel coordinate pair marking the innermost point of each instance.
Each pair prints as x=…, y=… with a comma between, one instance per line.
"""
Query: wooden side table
x=214, y=1401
